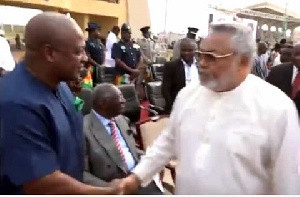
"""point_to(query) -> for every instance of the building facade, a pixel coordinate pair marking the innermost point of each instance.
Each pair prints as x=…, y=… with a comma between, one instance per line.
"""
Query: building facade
x=106, y=12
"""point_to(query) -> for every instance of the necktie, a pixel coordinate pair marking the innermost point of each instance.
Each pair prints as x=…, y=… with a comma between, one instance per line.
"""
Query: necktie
x=114, y=135
x=296, y=85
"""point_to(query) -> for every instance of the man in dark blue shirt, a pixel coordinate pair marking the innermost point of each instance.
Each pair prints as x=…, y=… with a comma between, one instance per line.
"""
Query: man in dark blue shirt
x=95, y=49
x=42, y=137
x=127, y=55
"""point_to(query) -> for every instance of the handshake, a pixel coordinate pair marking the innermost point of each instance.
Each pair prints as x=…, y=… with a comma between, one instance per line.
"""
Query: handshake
x=126, y=186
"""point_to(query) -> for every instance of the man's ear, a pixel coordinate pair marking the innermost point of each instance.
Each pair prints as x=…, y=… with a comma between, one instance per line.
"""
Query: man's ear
x=244, y=61
x=48, y=52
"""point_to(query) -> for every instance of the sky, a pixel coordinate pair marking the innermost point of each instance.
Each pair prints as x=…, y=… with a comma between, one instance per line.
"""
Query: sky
x=180, y=13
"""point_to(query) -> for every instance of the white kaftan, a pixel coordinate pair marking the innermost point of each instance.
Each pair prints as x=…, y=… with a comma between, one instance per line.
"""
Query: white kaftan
x=253, y=134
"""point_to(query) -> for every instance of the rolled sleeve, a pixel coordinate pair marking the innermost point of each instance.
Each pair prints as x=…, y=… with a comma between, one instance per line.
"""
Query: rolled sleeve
x=116, y=51
x=27, y=154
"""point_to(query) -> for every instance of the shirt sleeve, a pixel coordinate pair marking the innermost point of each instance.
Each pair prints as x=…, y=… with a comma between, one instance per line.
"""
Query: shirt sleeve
x=285, y=153
x=116, y=51
x=109, y=42
x=161, y=152
x=27, y=153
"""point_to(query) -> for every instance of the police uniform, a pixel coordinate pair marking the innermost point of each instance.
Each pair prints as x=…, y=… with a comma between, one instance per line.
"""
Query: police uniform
x=148, y=53
x=95, y=49
x=192, y=32
x=129, y=53
x=147, y=46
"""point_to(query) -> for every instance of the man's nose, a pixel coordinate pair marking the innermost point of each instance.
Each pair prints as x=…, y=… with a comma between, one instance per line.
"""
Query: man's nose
x=84, y=57
x=123, y=100
x=202, y=63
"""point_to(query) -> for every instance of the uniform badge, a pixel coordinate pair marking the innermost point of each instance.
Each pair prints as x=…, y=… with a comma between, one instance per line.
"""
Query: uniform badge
x=136, y=46
x=123, y=47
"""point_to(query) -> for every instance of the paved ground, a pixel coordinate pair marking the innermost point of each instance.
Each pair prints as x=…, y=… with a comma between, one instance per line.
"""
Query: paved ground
x=18, y=54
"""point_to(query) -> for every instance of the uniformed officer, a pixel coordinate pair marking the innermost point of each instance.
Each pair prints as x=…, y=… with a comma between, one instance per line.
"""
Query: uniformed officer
x=147, y=45
x=148, y=53
x=127, y=56
x=95, y=50
x=192, y=32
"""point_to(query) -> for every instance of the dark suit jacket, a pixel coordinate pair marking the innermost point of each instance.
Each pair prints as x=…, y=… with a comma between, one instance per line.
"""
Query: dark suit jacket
x=103, y=162
x=173, y=82
x=281, y=77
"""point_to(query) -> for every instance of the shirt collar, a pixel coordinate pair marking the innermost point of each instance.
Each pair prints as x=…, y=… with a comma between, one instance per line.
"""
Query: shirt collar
x=184, y=63
x=295, y=69
x=104, y=121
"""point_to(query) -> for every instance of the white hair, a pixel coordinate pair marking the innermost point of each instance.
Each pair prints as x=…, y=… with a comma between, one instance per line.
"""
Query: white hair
x=242, y=38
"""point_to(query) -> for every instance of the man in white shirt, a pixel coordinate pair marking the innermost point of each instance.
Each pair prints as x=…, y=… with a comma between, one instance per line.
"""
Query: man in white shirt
x=112, y=38
x=179, y=73
x=234, y=133
x=7, y=62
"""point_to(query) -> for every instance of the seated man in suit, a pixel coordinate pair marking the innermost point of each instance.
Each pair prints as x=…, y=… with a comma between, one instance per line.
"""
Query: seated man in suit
x=287, y=77
x=178, y=73
x=110, y=147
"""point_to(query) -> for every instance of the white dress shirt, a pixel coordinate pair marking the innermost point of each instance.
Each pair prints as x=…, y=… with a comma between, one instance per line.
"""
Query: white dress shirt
x=277, y=60
x=110, y=41
x=7, y=61
x=295, y=72
x=191, y=72
x=253, y=136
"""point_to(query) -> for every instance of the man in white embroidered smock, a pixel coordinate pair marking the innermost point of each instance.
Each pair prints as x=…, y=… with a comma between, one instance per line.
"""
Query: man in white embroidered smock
x=233, y=134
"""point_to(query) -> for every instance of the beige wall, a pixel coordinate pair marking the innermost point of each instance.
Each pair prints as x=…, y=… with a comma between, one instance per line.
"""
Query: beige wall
x=83, y=11
x=138, y=16
x=106, y=23
x=134, y=12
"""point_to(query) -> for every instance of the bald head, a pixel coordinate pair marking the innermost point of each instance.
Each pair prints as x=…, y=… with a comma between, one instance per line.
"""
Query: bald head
x=104, y=91
x=108, y=100
x=49, y=28
x=55, y=47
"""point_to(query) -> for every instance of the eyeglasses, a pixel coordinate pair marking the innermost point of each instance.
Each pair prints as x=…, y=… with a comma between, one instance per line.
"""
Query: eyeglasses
x=209, y=56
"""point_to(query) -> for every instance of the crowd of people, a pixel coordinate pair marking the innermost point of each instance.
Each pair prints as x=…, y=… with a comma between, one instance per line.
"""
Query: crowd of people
x=229, y=131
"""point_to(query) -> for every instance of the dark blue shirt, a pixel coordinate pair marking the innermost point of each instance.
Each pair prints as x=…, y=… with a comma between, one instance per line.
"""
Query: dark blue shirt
x=95, y=49
x=41, y=131
x=128, y=53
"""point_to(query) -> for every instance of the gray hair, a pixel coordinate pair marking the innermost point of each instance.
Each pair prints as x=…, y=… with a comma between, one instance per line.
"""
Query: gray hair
x=101, y=92
x=242, y=38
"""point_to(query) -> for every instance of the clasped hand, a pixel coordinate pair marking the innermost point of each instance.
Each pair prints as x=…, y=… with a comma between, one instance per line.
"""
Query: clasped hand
x=125, y=186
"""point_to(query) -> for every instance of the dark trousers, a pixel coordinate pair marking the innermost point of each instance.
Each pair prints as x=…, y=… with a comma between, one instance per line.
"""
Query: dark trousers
x=151, y=189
